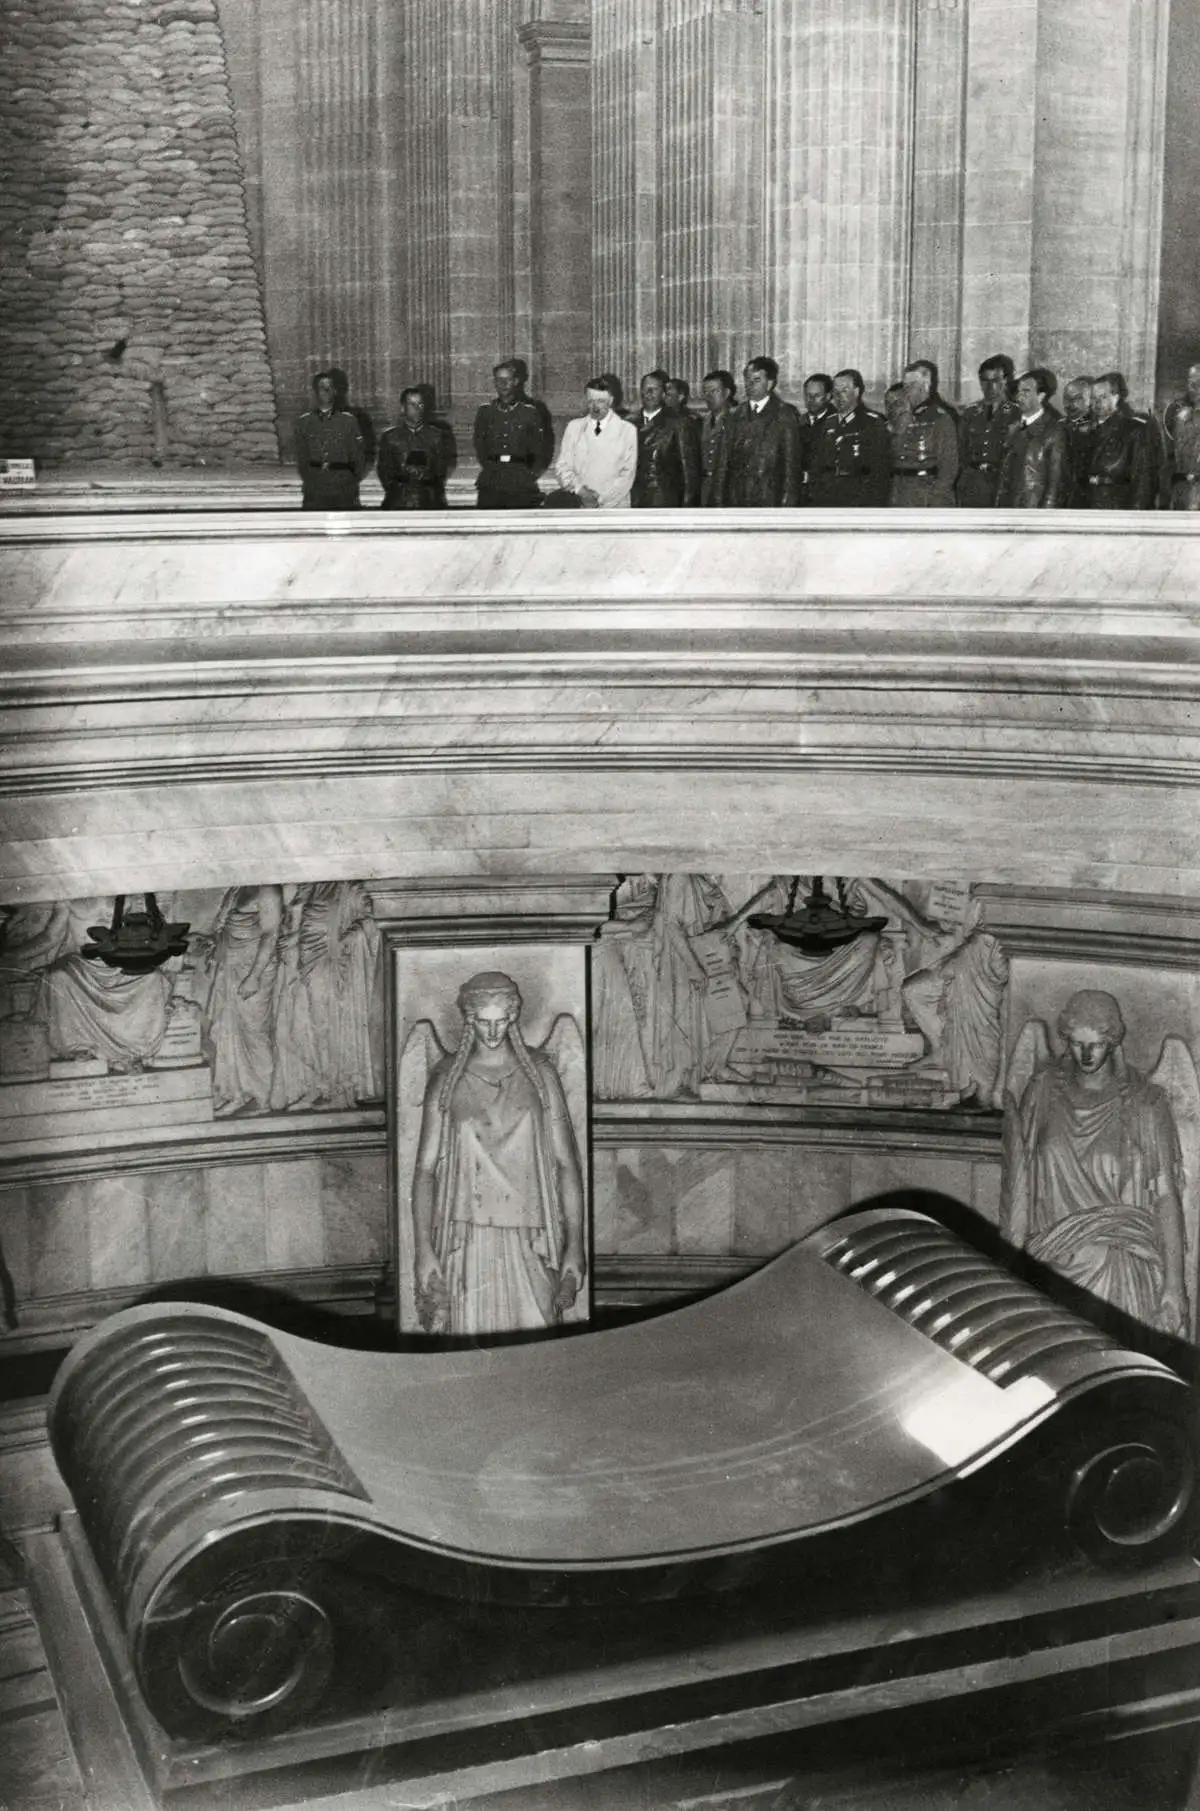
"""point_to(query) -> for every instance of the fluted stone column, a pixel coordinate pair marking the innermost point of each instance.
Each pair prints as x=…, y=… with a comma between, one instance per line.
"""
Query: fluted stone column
x=678, y=158
x=1101, y=92
x=555, y=134
x=479, y=192
x=840, y=129
x=935, y=285
x=625, y=264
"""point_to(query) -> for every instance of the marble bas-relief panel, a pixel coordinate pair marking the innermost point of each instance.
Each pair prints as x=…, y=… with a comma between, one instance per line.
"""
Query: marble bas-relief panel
x=276, y=1008
x=1101, y=1171
x=695, y=1000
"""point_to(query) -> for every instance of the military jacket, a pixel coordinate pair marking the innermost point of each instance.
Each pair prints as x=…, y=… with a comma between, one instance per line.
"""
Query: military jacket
x=1080, y=434
x=982, y=433
x=413, y=465
x=851, y=461
x=925, y=455
x=329, y=442
x=713, y=431
x=514, y=443
x=810, y=427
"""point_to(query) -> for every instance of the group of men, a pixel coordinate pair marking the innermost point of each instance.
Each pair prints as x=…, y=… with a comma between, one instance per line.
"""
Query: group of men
x=1011, y=449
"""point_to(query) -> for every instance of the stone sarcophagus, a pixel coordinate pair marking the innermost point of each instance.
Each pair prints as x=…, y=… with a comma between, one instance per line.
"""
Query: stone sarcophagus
x=288, y=1532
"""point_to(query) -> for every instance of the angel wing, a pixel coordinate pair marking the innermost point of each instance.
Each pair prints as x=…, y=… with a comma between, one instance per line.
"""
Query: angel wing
x=421, y=1053
x=1175, y=1073
x=563, y=1044
x=1031, y=1052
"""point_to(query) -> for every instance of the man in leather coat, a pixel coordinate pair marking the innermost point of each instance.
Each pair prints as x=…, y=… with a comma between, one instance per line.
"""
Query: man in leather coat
x=760, y=463
x=1122, y=471
x=1035, y=471
x=720, y=392
x=668, y=467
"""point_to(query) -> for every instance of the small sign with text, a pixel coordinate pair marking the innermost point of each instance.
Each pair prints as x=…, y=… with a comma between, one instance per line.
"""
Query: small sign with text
x=17, y=474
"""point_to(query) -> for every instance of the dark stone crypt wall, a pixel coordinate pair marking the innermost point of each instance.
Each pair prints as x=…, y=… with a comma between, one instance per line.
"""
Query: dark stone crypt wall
x=131, y=320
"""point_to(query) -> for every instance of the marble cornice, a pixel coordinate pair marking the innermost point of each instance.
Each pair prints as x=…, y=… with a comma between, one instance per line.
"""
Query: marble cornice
x=199, y=701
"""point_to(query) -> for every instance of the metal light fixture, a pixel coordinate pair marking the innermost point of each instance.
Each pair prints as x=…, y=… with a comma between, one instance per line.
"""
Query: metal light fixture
x=135, y=942
x=819, y=925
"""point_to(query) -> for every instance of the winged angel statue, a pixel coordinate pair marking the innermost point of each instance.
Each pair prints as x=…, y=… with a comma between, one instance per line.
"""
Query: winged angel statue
x=1102, y=1163
x=490, y=1234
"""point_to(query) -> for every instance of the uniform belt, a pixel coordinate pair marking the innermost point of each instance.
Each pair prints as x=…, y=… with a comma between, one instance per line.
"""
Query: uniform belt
x=1185, y=477
x=981, y=465
x=1110, y=483
x=916, y=471
x=512, y=459
x=329, y=465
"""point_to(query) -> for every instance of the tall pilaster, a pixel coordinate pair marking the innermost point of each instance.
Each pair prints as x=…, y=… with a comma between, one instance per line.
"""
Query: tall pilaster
x=479, y=191
x=625, y=266
x=1000, y=138
x=709, y=182
x=421, y=195
x=557, y=136
x=935, y=283
x=840, y=125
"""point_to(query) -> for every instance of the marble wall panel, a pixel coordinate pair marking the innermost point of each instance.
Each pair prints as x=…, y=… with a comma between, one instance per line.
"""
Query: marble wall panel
x=235, y=1234
x=354, y=1208
x=118, y=1233
x=58, y=1238
x=176, y=1206
x=295, y=1226
x=16, y=1240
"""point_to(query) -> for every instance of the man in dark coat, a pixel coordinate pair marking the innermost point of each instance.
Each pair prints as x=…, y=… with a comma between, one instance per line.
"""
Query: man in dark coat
x=1080, y=426
x=983, y=432
x=1122, y=472
x=852, y=456
x=668, y=466
x=818, y=407
x=514, y=442
x=760, y=461
x=1035, y=472
x=720, y=393
x=1180, y=440
x=329, y=451
x=415, y=457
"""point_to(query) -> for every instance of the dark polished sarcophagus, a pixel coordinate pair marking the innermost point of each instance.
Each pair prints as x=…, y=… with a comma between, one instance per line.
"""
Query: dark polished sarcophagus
x=281, y=1526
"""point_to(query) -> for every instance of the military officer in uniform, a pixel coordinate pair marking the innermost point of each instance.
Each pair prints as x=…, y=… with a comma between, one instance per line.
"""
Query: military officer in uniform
x=1035, y=472
x=925, y=455
x=1181, y=442
x=1080, y=426
x=329, y=451
x=720, y=393
x=668, y=464
x=514, y=442
x=982, y=431
x=1122, y=472
x=366, y=427
x=415, y=457
x=851, y=461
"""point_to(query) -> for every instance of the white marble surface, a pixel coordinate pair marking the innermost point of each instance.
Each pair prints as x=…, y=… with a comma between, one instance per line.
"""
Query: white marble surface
x=212, y=701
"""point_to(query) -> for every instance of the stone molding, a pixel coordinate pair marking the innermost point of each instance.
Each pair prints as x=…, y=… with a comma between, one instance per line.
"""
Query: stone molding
x=555, y=41
x=200, y=702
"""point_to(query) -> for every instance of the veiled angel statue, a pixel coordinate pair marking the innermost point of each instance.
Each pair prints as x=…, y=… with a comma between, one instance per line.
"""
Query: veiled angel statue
x=496, y=1202
x=1102, y=1163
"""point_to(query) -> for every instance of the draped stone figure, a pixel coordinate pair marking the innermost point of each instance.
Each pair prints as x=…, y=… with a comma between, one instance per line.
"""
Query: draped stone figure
x=1096, y=1182
x=239, y=1018
x=497, y=1190
x=324, y=999
x=85, y=1008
